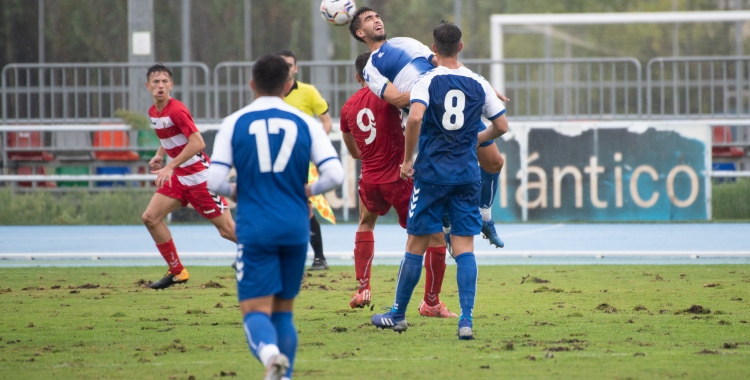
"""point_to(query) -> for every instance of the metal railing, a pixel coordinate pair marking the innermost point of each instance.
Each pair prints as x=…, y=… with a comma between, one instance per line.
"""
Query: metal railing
x=540, y=89
x=57, y=93
x=698, y=87
x=569, y=88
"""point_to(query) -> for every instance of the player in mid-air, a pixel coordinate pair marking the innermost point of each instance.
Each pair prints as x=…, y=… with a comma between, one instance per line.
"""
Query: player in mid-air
x=182, y=181
x=446, y=107
x=306, y=98
x=271, y=144
x=393, y=68
x=371, y=130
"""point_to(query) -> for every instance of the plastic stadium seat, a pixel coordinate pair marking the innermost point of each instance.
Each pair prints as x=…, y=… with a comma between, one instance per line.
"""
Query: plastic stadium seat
x=72, y=170
x=725, y=134
x=113, y=170
x=31, y=170
x=27, y=140
x=72, y=146
x=113, y=139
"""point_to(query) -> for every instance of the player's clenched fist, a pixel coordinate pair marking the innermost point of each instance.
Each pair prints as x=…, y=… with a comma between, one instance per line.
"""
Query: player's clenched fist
x=406, y=170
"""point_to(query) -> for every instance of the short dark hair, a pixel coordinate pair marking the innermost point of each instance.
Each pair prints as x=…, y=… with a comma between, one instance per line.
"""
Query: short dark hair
x=270, y=73
x=287, y=53
x=158, y=68
x=447, y=37
x=361, y=62
x=356, y=23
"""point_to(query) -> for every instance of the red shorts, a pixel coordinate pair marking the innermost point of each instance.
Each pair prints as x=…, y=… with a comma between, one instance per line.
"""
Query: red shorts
x=378, y=198
x=208, y=204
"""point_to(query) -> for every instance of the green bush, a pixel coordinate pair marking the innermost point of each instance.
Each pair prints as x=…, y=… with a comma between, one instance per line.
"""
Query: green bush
x=731, y=201
x=76, y=207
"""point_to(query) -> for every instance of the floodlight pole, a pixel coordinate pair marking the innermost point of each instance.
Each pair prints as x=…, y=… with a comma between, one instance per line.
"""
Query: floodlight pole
x=140, y=50
x=248, y=32
x=41, y=31
x=186, y=53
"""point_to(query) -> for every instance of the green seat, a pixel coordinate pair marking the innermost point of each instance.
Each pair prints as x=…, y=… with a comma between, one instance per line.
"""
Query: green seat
x=148, y=139
x=72, y=170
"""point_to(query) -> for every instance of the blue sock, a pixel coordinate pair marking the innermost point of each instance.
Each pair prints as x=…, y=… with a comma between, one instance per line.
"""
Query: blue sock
x=260, y=333
x=408, y=277
x=466, y=276
x=490, y=183
x=287, y=334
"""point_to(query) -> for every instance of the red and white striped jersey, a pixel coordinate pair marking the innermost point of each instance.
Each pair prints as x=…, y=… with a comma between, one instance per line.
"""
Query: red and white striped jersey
x=173, y=126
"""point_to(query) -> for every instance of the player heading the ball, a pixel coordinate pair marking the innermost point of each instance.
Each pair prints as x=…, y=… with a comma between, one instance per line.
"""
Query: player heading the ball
x=393, y=68
x=447, y=104
x=271, y=144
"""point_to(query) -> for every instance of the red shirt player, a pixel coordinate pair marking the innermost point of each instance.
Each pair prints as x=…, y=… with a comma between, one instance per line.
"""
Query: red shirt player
x=183, y=180
x=372, y=132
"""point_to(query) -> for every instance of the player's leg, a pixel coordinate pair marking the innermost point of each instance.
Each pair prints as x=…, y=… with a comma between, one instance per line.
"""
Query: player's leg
x=491, y=162
x=426, y=206
x=292, y=265
x=153, y=218
x=258, y=281
x=434, y=265
x=316, y=241
x=466, y=222
x=398, y=194
x=364, y=250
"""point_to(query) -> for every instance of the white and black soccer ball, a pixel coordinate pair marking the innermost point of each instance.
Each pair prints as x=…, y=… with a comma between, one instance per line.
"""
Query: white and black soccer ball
x=337, y=12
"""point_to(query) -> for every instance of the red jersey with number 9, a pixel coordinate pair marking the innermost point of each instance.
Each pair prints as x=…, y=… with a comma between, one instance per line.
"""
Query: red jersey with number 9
x=376, y=128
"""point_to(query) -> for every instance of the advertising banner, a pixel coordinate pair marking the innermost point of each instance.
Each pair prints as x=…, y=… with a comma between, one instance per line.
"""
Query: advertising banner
x=631, y=173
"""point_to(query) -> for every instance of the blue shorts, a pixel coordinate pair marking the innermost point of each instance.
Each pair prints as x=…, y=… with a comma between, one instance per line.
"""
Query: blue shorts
x=429, y=202
x=270, y=270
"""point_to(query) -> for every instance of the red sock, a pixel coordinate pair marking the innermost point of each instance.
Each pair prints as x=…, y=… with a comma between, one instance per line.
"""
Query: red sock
x=434, y=265
x=364, y=250
x=169, y=253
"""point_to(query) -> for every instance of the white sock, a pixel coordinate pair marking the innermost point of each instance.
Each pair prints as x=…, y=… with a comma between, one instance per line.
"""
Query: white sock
x=486, y=214
x=267, y=352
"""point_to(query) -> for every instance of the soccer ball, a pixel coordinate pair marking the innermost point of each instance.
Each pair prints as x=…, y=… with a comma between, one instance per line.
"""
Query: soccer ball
x=337, y=12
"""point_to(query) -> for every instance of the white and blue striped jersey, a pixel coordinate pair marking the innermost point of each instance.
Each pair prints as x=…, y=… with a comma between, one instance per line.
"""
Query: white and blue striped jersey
x=456, y=100
x=399, y=60
x=271, y=144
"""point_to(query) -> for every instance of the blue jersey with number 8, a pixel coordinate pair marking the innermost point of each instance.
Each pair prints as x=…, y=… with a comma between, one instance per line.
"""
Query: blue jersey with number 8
x=456, y=100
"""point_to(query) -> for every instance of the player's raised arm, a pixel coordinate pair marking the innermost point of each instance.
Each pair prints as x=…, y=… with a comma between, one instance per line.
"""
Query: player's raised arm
x=498, y=128
x=413, y=126
x=396, y=98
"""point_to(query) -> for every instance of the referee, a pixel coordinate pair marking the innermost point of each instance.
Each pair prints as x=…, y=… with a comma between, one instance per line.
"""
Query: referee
x=307, y=99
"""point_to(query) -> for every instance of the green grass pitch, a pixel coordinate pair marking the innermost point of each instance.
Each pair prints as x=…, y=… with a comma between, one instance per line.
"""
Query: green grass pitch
x=576, y=322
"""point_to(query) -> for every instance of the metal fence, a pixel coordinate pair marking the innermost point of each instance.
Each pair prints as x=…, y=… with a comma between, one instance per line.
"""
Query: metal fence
x=540, y=89
x=68, y=93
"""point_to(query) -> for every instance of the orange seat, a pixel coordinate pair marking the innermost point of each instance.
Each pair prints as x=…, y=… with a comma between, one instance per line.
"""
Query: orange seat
x=27, y=140
x=113, y=139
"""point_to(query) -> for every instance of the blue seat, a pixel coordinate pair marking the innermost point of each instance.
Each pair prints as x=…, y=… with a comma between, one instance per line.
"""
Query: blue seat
x=114, y=170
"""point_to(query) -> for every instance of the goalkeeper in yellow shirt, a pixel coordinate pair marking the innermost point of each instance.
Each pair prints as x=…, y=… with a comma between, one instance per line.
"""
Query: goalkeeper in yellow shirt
x=307, y=99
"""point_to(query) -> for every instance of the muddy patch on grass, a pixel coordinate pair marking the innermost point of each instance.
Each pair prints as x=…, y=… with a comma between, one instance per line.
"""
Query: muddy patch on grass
x=87, y=286
x=212, y=285
x=707, y=352
x=534, y=280
x=544, y=289
x=143, y=283
x=711, y=285
x=695, y=309
x=640, y=308
x=606, y=308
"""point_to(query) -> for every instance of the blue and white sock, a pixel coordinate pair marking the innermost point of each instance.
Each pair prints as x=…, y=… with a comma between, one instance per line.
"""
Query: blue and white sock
x=287, y=335
x=408, y=277
x=261, y=336
x=466, y=276
x=490, y=183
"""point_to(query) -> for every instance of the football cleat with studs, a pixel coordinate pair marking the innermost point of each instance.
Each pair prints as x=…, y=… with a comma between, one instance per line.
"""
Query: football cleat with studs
x=276, y=370
x=170, y=279
x=489, y=233
x=437, y=311
x=360, y=300
x=385, y=321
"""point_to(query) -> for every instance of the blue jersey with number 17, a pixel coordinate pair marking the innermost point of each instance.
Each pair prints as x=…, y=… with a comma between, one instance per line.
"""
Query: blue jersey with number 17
x=456, y=100
x=271, y=143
